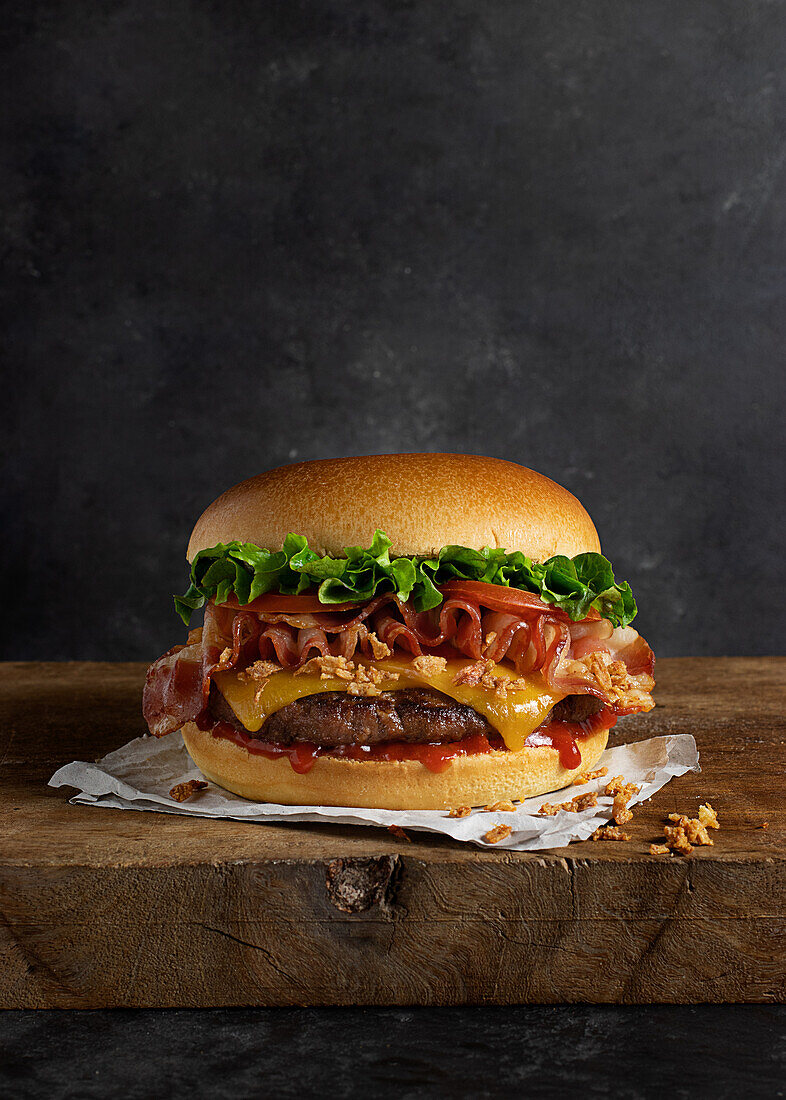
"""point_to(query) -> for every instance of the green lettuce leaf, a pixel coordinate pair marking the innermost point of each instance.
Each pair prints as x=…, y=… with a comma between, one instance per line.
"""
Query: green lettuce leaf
x=575, y=585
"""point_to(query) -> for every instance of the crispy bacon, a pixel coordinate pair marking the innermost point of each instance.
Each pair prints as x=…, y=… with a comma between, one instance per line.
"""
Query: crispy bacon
x=177, y=685
x=475, y=620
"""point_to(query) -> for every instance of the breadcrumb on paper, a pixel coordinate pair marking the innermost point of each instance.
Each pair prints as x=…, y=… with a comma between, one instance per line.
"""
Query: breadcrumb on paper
x=183, y=791
x=461, y=811
x=619, y=810
x=581, y=802
x=498, y=833
x=575, y=806
x=588, y=777
x=504, y=806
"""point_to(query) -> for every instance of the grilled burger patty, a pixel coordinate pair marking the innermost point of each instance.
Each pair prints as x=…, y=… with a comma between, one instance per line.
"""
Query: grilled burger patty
x=414, y=715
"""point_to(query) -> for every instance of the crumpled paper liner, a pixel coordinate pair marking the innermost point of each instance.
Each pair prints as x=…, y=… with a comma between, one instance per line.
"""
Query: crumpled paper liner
x=140, y=775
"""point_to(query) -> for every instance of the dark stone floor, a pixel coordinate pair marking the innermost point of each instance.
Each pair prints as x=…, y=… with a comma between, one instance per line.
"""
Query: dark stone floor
x=526, y=1051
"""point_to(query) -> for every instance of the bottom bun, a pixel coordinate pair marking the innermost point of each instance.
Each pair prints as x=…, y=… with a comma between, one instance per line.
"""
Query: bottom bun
x=474, y=780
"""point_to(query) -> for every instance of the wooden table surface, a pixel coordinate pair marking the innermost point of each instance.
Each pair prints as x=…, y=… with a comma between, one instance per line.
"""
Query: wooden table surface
x=107, y=907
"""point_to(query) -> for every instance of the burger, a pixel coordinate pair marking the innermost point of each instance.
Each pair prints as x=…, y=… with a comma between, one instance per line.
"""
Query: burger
x=413, y=631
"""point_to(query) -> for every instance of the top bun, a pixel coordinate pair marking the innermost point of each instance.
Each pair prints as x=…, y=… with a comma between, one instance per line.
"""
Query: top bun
x=421, y=501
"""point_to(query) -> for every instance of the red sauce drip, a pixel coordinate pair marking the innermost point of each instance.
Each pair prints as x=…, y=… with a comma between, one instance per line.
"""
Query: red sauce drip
x=302, y=755
x=437, y=758
x=564, y=736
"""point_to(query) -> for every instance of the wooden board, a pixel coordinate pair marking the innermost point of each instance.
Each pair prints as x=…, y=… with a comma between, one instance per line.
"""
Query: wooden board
x=109, y=907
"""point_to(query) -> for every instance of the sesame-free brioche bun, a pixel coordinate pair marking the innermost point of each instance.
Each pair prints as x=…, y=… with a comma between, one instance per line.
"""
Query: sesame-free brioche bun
x=421, y=501
x=474, y=780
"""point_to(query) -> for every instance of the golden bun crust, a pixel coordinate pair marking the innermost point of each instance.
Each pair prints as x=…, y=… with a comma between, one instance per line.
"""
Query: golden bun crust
x=386, y=785
x=421, y=501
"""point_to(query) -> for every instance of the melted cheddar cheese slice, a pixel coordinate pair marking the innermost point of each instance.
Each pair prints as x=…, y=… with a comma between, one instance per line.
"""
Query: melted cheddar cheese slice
x=514, y=715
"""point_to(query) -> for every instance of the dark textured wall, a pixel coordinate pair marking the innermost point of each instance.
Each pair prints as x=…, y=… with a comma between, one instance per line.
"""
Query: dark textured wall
x=237, y=234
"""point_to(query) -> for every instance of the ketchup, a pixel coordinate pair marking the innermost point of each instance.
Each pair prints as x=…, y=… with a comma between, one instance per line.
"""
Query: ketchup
x=435, y=757
x=562, y=736
x=301, y=754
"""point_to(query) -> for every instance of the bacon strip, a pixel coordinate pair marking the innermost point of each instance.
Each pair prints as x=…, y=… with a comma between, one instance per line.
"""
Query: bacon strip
x=477, y=620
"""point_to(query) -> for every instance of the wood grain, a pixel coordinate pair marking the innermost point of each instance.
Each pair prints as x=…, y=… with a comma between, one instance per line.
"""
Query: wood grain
x=105, y=907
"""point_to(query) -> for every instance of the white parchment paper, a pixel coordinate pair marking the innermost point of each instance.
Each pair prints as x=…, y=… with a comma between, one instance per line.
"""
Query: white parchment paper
x=140, y=775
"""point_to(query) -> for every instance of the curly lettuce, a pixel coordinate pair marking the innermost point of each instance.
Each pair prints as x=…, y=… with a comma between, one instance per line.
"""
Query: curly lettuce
x=241, y=569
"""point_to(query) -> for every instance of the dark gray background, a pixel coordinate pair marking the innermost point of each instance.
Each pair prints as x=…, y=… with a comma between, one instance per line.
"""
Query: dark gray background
x=237, y=234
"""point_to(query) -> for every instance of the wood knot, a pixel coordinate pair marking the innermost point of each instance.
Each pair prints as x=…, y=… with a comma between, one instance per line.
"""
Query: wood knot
x=355, y=885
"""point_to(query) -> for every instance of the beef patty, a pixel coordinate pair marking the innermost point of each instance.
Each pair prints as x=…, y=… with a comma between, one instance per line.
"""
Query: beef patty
x=414, y=715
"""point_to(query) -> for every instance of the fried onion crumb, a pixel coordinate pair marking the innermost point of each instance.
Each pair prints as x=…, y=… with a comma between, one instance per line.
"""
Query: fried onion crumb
x=328, y=668
x=259, y=671
x=429, y=666
x=182, y=791
x=360, y=679
x=461, y=811
x=694, y=830
x=708, y=817
x=685, y=832
x=677, y=839
x=379, y=649
x=631, y=692
x=498, y=833
x=587, y=777
x=610, y=832
x=581, y=802
x=503, y=806
x=480, y=674
x=575, y=806
x=622, y=793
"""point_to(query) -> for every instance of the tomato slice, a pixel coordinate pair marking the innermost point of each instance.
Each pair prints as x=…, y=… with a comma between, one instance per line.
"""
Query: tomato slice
x=307, y=603
x=499, y=598
x=494, y=596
